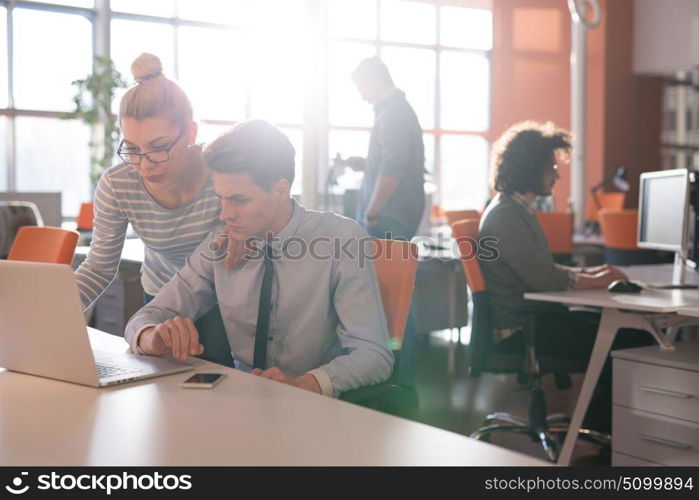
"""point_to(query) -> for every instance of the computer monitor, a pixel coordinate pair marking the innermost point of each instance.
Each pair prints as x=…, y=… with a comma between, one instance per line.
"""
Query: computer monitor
x=662, y=215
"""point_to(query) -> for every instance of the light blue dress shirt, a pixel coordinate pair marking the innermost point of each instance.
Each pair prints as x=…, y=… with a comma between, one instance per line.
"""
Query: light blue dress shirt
x=326, y=317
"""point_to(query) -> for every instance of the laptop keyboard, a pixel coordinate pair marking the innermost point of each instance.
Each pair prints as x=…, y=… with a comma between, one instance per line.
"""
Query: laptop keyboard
x=104, y=370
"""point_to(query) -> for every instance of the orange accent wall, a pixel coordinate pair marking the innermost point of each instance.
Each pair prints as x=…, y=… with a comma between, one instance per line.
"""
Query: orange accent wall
x=531, y=78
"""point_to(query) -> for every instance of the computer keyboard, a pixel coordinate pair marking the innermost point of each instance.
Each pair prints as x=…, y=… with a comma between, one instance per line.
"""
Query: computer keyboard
x=104, y=370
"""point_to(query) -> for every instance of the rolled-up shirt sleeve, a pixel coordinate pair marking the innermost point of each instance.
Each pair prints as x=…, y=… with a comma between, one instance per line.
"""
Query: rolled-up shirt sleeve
x=189, y=294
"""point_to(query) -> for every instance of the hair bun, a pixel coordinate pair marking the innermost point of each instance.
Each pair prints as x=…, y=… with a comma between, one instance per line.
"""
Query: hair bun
x=146, y=67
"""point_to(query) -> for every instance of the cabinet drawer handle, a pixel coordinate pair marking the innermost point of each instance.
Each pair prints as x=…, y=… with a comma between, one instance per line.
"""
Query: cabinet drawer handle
x=666, y=442
x=665, y=392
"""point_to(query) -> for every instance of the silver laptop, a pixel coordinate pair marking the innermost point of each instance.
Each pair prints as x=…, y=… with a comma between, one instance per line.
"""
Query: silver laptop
x=43, y=331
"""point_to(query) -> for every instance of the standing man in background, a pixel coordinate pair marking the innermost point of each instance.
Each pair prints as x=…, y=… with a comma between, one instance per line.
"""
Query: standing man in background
x=392, y=195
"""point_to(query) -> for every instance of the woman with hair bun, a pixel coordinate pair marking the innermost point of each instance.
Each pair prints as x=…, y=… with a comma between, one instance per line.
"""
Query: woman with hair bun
x=162, y=188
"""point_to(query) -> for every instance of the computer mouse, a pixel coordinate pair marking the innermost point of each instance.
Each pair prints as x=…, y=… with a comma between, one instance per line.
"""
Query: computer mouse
x=621, y=286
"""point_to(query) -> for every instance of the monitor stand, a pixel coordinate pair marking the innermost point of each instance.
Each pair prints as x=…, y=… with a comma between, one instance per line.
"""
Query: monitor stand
x=678, y=276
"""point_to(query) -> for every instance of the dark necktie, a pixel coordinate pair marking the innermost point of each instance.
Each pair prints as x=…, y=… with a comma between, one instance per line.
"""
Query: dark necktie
x=263, y=313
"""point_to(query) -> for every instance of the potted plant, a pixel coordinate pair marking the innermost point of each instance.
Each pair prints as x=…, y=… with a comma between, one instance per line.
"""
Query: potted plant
x=93, y=104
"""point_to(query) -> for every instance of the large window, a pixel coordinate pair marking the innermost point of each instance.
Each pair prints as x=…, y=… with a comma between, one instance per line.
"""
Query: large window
x=438, y=55
x=51, y=47
x=235, y=59
x=287, y=61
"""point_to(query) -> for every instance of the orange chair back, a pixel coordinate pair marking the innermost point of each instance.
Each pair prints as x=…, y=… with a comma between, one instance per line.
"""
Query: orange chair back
x=558, y=228
x=51, y=245
x=86, y=216
x=436, y=214
x=619, y=228
x=396, y=265
x=466, y=234
x=606, y=200
x=457, y=215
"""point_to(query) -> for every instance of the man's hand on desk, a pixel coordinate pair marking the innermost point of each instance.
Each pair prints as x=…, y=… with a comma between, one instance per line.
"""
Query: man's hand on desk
x=602, y=278
x=178, y=335
x=307, y=381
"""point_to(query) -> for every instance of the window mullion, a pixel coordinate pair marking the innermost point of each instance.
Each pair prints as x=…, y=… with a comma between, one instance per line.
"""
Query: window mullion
x=11, y=136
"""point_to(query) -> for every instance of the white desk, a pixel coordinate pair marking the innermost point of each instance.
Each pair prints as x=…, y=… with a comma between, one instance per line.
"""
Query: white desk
x=131, y=253
x=245, y=420
x=651, y=310
x=692, y=312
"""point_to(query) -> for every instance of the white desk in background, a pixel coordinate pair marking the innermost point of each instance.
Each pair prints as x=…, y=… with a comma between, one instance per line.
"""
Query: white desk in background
x=132, y=252
x=244, y=420
x=440, y=303
x=692, y=312
x=650, y=310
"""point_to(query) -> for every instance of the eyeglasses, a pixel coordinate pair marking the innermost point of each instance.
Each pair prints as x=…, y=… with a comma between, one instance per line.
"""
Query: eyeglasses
x=160, y=155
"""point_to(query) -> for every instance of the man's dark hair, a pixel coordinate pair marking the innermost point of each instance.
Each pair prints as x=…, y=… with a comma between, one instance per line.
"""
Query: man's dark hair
x=254, y=147
x=521, y=156
x=372, y=67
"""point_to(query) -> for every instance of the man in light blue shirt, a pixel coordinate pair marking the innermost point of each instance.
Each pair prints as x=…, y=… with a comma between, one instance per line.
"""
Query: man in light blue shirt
x=323, y=323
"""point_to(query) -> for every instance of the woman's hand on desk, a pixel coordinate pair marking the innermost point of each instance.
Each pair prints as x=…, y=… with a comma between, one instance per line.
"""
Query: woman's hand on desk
x=177, y=335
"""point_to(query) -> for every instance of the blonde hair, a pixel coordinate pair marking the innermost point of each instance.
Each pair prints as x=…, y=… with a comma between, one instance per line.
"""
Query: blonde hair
x=154, y=95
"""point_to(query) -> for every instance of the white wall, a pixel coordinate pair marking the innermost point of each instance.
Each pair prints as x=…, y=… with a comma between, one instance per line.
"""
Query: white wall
x=666, y=35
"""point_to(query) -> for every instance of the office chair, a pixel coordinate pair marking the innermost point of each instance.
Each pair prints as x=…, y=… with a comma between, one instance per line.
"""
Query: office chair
x=44, y=244
x=396, y=264
x=85, y=219
x=213, y=336
x=457, y=215
x=558, y=228
x=483, y=356
x=619, y=234
x=614, y=201
x=13, y=215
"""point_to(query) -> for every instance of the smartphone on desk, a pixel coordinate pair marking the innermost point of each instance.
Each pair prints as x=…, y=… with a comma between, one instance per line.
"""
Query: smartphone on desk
x=202, y=381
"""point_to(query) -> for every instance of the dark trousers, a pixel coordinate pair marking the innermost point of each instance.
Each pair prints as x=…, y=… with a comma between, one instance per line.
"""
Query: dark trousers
x=212, y=335
x=389, y=229
x=571, y=335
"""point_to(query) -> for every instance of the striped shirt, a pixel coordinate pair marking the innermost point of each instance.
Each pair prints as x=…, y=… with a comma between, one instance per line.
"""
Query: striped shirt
x=169, y=236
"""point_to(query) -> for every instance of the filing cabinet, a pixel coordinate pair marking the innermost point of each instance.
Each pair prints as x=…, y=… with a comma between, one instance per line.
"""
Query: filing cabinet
x=120, y=300
x=656, y=406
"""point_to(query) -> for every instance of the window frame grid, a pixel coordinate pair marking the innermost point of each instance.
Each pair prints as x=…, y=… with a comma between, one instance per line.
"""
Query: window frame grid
x=315, y=127
x=437, y=131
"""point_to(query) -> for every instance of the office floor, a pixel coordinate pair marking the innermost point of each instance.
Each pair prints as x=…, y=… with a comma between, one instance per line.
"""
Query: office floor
x=458, y=403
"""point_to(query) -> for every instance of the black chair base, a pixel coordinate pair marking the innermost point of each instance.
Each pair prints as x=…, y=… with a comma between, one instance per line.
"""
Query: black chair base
x=549, y=430
x=551, y=438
